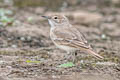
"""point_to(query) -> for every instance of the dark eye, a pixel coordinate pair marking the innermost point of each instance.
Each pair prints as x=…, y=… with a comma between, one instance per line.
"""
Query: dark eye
x=55, y=17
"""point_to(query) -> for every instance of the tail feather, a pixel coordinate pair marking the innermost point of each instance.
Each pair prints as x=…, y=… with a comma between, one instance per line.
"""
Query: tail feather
x=94, y=54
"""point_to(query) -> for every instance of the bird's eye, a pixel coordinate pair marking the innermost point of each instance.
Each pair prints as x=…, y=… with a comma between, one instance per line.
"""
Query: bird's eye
x=55, y=17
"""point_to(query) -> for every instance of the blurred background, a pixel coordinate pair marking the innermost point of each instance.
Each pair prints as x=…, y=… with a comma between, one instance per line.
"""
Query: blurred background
x=22, y=25
x=24, y=36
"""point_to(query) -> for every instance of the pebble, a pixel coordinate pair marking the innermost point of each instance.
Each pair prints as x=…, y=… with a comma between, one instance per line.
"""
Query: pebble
x=14, y=46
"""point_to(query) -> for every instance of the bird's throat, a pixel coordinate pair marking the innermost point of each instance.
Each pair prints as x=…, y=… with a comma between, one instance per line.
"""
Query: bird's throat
x=51, y=23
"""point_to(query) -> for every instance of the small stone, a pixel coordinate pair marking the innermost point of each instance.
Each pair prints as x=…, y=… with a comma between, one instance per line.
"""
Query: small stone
x=9, y=39
x=9, y=67
x=14, y=46
x=81, y=61
x=29, y=38
x=22, y=38
x=1, y=62
x=103, y=36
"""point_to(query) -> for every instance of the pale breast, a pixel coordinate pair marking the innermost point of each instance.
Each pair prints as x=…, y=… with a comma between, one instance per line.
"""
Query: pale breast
x=66, y=48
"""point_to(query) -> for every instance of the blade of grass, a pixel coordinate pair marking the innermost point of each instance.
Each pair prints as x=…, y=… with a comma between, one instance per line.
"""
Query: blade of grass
x=66, y=65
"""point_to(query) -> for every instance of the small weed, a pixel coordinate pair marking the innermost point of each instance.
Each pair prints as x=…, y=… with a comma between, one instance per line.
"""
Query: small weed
x=4, y=17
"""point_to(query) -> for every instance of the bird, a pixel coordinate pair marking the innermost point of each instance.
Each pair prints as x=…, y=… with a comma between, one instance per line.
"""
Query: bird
x=67, y=37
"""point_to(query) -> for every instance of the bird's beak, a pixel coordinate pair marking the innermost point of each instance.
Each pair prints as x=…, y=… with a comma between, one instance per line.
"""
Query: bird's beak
x=47, y=17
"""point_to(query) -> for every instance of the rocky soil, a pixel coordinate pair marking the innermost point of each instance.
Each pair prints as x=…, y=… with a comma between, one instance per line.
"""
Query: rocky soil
x=27, y=53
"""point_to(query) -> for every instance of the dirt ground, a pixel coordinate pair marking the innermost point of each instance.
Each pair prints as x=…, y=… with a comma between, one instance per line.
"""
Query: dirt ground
x=28, y=40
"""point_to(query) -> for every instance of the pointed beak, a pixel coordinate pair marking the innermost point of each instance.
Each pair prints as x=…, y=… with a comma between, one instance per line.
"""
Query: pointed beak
x=47, y=17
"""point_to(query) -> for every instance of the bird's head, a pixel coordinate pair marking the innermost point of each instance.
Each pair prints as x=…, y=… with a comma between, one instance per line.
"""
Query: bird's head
x=57, y=20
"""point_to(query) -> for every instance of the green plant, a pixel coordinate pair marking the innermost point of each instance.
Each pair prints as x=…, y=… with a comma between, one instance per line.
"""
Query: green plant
x=4, y=17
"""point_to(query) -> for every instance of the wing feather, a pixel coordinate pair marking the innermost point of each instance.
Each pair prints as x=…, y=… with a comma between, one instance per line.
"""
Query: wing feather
x=70, y=37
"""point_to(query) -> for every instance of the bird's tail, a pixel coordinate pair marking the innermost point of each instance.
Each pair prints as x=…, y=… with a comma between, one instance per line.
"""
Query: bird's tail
x=94, y=54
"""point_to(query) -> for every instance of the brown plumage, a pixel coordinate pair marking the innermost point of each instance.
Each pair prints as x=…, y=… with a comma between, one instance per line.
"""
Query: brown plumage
x=67, y=37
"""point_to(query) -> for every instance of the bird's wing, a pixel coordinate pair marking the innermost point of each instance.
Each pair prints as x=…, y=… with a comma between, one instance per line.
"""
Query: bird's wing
x=70, y=37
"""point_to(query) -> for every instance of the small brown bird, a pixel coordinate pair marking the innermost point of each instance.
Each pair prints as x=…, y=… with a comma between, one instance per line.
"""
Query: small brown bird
x=67, y=37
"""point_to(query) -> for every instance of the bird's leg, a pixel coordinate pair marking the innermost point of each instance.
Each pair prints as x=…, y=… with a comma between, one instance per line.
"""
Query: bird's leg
x=66, y=56
x=71, y=56
x=74, y=56
x=75, y=53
